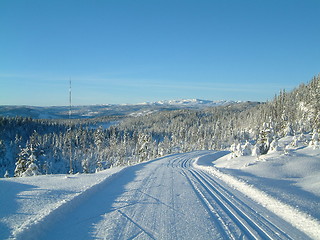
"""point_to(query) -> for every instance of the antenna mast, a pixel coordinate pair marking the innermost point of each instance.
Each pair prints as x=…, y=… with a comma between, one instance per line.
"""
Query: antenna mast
x=70, y=133
x=70, y=99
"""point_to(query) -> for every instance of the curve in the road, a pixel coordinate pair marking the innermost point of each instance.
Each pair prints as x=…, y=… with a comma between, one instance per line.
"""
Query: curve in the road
x=163, y=199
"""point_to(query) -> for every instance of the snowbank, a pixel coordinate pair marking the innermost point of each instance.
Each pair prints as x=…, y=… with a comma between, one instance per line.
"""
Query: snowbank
x=299, y=164
x=19, y=210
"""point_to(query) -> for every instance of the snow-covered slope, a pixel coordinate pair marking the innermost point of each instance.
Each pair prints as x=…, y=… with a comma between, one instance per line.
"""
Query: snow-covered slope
x=167, y=198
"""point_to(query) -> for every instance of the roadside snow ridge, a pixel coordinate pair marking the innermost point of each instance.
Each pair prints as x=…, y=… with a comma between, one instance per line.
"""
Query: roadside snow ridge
x=298, y=219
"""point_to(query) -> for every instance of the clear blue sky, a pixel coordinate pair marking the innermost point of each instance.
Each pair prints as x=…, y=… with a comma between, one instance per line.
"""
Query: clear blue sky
x=147, y=50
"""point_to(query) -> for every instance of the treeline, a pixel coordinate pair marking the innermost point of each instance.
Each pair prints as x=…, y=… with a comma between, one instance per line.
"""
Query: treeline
x=30, y=146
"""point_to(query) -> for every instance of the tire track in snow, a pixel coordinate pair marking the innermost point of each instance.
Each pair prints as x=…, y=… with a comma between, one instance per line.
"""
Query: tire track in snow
x=215, y=216
x=223, y=211
x=251, y=224
x=246, y=209
x=253, y=229
x=304, y=225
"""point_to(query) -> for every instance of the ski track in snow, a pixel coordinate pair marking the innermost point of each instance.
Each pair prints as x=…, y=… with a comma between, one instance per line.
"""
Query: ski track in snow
x=174, y=197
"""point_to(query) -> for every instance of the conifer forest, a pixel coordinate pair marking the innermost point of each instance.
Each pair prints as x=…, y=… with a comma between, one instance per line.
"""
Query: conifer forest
x=41, y=146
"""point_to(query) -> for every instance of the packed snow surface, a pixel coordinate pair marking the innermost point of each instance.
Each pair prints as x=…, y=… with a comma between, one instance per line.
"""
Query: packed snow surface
x=197, y=195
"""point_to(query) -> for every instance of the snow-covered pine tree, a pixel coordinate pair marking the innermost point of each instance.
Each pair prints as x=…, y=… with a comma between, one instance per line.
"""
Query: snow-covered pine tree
x=85, y=166
x=99, y=141
x=144, y=150
x=288, y=131
x=315, y=140
x=233, y=149
x=247, y=149
x=26, y=162
x=32, y=168
x=274, y=146
x=22, y=162
x=256, y=151
x=264, y=139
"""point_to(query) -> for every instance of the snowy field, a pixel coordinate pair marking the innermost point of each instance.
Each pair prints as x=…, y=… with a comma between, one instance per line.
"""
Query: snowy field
x=197, y=195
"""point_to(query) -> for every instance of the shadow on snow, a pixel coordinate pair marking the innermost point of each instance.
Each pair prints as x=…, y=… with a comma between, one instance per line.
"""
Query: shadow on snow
x=8, y=201
x=76, y=219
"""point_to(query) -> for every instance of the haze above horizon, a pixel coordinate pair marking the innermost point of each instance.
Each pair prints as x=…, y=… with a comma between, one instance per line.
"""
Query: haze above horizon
x=121, y=52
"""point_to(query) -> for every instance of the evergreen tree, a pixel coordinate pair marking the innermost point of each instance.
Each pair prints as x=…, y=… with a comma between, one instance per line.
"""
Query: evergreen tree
x=247, y=149
x=22, y=162
x=2, y=153
x=256, y=151
x=274, y=146
x=32, y=168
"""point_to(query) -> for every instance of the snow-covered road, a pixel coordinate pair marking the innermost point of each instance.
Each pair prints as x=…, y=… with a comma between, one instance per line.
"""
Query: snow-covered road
x=167, y=198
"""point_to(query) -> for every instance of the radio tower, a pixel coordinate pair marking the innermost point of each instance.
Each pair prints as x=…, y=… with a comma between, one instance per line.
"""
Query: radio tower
x=70, y=133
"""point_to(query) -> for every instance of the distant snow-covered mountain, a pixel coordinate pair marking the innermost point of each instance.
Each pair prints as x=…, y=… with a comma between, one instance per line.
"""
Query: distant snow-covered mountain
x=91, y=111
x=190, y=102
